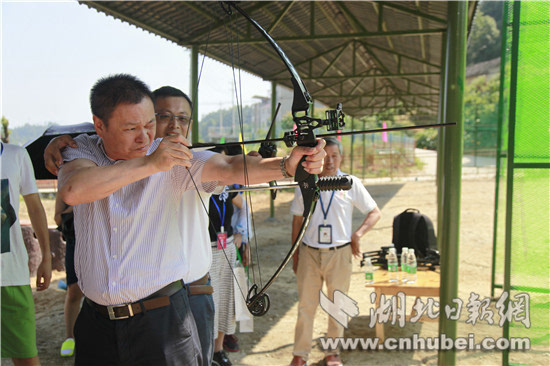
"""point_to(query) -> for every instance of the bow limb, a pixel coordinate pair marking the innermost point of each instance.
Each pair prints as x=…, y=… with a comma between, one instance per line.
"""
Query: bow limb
x=302, y=99
x=258, y=301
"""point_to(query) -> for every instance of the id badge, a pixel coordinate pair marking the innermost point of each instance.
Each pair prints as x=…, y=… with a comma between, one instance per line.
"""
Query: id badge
x=325, y=234
x=222, y=240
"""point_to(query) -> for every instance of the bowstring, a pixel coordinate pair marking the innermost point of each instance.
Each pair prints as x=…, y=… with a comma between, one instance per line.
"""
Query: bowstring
x=237, y=82
x=211, y=224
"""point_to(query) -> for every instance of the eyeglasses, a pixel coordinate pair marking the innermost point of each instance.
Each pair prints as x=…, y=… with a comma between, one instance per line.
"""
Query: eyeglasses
x=166, y=117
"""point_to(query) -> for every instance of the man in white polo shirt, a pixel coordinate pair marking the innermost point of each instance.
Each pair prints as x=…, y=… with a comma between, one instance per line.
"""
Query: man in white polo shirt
x=326, y=251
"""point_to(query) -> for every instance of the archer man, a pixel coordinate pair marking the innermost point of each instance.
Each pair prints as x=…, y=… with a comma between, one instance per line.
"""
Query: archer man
x=126, y=188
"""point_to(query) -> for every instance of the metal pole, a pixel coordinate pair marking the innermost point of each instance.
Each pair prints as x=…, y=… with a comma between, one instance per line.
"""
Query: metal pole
x=272, y=135
x=364, y=151
x=351, y=148
x=510, y=169
x=440, y=141
x=195, y=93
x=391, y=155
x=500, y=125
x=457, y=16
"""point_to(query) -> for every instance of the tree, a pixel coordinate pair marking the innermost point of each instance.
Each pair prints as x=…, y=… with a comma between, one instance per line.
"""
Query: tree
x=480, y=112
x=484, y=41
x=493, y=9
x=5, y=130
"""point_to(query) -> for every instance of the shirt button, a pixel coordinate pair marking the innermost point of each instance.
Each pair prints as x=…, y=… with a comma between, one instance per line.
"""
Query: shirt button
x=114, y=256
x=115, y=229
x=113, y=283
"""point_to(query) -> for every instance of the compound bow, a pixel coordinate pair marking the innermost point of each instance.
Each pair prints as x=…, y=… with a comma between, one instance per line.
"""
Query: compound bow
x=303, y=135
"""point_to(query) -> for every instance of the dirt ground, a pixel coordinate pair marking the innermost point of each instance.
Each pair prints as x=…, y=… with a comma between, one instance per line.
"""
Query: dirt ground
x=272, y=339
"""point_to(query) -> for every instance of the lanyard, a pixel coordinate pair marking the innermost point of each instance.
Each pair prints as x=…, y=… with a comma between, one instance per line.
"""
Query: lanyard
x=325, y=213
x=2, y=151
x=222, y=216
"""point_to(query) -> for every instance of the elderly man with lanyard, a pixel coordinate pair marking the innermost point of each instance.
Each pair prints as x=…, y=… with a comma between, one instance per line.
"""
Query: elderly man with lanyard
x=126, y=188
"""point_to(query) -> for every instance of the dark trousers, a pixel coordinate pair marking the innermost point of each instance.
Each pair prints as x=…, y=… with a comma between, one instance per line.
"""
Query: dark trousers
x=163, y=336
x=202, y=307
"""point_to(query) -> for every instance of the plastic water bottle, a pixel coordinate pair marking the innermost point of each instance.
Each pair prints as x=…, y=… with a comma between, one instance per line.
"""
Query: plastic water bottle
x=411, y=262
x=404, y=264
x=392, y=266
x=369, y=271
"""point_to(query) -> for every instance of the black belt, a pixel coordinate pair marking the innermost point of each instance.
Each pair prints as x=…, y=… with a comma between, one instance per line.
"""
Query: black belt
x=159, y=299
x=329, y=248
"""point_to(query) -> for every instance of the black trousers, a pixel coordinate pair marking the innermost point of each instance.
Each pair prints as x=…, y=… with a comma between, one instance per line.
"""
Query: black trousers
x=163, y=336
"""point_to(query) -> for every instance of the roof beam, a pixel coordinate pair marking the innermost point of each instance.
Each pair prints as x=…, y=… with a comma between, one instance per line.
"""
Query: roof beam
x=364, y=75
x=376, y=95
x=355, y=110
x=383, y=67
x=418, y=13
x=280, y=17
x=211, y=28
x=419, y=60
x=321, y=37
x=335, y=59
x=306, y=61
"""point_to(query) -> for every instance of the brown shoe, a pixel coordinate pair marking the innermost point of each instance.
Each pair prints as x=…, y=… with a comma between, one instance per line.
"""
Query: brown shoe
x=298, y=361
x=333, y=360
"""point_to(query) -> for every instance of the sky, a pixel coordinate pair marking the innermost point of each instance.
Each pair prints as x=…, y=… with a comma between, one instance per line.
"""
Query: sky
x=53, y=52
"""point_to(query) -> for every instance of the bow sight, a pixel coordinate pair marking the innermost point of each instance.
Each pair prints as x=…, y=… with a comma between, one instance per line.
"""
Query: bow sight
x=334, y=120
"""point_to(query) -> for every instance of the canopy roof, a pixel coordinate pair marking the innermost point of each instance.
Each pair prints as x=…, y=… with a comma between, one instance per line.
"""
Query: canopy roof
x=369, y=55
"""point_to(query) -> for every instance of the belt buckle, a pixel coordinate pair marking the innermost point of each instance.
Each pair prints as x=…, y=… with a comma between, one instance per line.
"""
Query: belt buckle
x=111, y=311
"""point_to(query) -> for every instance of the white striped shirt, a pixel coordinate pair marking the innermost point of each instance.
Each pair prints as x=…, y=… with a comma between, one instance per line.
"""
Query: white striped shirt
x=129, y=244
x=195, y=227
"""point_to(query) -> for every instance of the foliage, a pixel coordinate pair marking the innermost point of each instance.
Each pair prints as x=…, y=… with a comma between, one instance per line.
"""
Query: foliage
x=484, y=41
x=5, y=130
x=23, y=134
x=228, y=119
x=493, y=9
x=426, y=138
x=481, y=112
x=287, y=123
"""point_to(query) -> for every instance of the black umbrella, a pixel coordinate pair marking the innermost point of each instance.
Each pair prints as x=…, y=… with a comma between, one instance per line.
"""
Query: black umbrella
x=36, y=147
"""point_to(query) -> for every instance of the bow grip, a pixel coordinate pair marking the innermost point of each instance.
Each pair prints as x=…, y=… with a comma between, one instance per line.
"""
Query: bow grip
x=306, y=181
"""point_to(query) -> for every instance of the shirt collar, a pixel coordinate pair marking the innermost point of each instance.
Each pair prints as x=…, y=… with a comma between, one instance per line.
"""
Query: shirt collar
x=101, y=146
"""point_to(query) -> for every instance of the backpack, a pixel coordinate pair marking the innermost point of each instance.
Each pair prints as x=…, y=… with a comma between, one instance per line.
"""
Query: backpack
x=411, y=229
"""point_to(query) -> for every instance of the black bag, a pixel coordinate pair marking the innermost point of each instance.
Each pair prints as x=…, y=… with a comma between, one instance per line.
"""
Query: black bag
x=411, y=229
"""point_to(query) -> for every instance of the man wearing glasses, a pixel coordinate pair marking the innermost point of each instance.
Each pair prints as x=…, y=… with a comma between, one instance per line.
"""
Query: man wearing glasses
x=127, y=189
x=173, y=112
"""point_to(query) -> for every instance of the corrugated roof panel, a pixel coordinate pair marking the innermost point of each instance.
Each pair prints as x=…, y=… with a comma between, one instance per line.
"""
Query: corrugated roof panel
x=345, y=54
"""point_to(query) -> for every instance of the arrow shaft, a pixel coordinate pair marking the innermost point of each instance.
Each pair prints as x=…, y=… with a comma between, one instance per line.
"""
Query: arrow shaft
x=378, y=130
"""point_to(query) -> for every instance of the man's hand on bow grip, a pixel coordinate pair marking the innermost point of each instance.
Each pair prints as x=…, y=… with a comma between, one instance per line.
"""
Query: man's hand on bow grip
x=314, y=158
x=172, y=151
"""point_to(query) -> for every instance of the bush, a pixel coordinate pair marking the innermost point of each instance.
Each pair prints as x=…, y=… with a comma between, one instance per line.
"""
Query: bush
x=427, y=139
